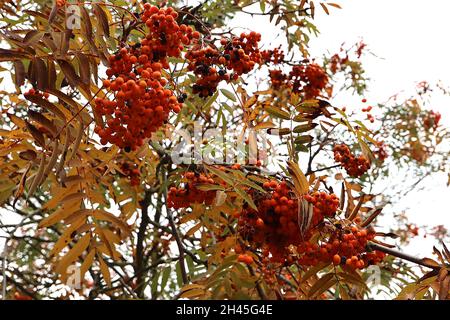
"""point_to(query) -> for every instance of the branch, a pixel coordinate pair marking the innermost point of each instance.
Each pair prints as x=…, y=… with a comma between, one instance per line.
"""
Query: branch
x=139, y=259
x=400, y=255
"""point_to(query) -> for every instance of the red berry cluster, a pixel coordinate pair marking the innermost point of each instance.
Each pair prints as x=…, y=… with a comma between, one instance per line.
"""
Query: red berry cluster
x=210, y=65
x=274, y=56
x=243, y=52
x=309, y=79
x=325, y=205
x=34, y=92
x=277, y=78
x=431, y=120
x=344, y=247
x=141, y=103
x=275, y=224
x=184, y=197
x=60, y=3
x=132, y=172
x=355, y=166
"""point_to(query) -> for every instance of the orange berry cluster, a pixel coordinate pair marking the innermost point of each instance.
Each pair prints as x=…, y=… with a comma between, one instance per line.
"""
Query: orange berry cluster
x=243, y=52
x=309, y=79
x=275, y=224
x=431, y=120
x=239, y=54
x=60, y=3
x=347, y=247
x=245, y=258
x=274, y=56
x=355, y=166
x=184, y=197
x=132, y=172
x=208, y=64
x=277, y=78
x=141, y=103
x=325, y=205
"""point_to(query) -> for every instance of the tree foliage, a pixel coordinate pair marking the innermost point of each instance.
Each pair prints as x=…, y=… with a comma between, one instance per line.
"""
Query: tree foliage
x=150, y=151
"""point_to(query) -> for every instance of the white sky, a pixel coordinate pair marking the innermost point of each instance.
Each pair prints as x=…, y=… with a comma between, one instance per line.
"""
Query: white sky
x=410, y=36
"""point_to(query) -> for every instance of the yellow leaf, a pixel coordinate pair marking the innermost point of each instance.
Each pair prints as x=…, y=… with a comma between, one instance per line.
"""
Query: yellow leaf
x=66, y=237
x=73, y=253
x=61, y=214
x=193, y=293
x=193, y=230
x=87, y=263
x=105, y=270
x=104, y=215
x=300, y=182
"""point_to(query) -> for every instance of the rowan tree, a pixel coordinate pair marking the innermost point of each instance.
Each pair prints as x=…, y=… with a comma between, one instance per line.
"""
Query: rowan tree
x=150, y=151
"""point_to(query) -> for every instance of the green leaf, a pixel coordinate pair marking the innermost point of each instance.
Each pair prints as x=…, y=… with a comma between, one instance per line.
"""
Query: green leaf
x=230, y=95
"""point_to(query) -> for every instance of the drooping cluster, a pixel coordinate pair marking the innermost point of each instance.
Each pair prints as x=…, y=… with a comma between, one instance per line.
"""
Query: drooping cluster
x=309, y=79
x=275, y=225
x=355, y=166
x=188, y=194
x=139, y=102
x=131, y=171
x=346, y=246
x=212, y=65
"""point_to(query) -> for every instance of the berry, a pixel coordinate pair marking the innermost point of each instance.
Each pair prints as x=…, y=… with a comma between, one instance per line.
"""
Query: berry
x=355, y=166
x=336, y=259
x=245, y=259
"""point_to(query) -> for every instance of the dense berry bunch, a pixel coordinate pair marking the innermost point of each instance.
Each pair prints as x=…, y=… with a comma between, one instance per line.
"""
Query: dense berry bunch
x=132, y=172
x=184, y=197
x=275, y=224
x=274, y=56
x=355, y=166
x=431, y=120
x=325, y=205
x=60, y=3
x=243, y=52
x=277, y=78
x=344, y=247
x=310, y=79
x=211, y=65
x=349, y=247
x=141, y=102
